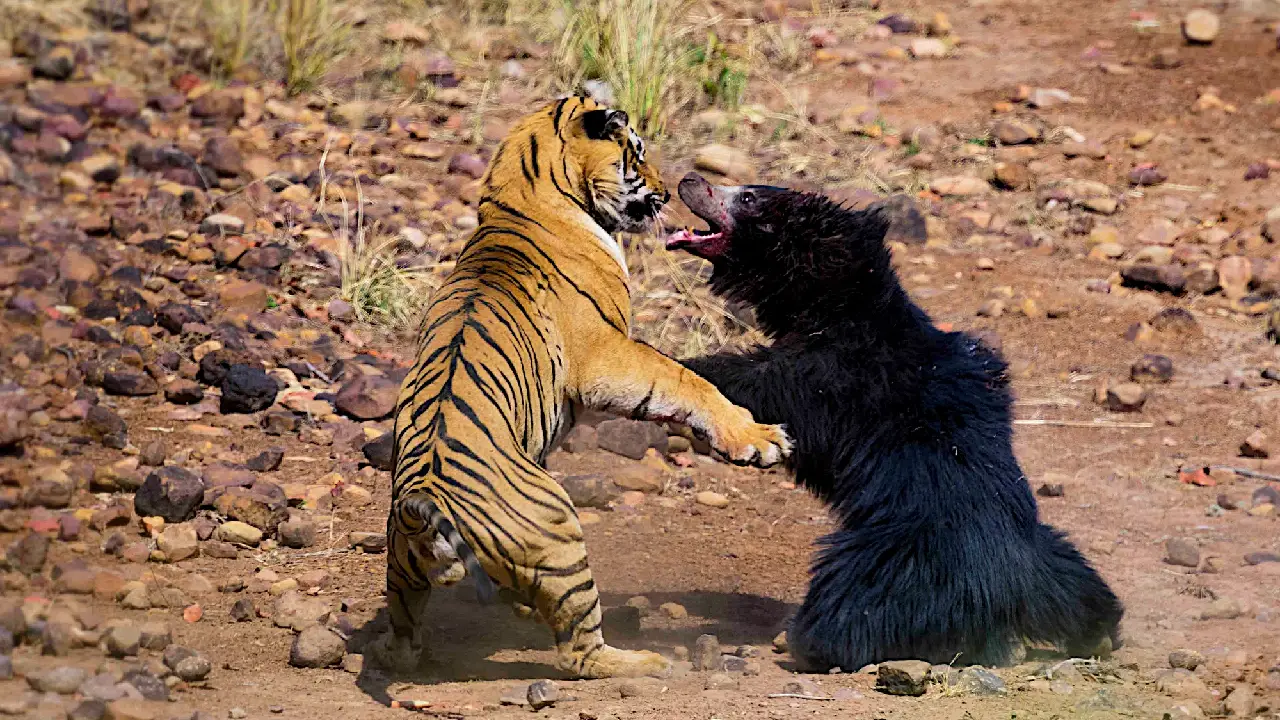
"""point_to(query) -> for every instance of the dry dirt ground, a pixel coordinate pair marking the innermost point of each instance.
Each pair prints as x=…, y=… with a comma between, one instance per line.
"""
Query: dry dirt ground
x=1065, y=321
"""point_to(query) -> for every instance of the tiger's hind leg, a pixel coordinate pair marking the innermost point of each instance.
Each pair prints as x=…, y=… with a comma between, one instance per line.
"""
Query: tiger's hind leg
x=400, y=648
x=564, y=595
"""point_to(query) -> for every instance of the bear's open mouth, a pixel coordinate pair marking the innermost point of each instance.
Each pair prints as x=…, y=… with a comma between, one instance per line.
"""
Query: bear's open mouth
x=692, y=240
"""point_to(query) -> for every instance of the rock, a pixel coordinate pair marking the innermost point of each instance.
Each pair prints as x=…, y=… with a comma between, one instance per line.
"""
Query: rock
x=266, y=461
x=183, y=392
x=541, y=694
x=981, y=681
x=243, y=610
x=726, y=161
x=148, y=685
x=1011, y=176
x=1015, y=132
x=1182, y=551
x=720, y=681
x=353, y=663
x=89, y=709
x=155, y=635
x=56, y=64
x=369, y=542
x=903, y=677
x=170, y=492
x=1185, y=659
x=123, y=640
x=178, y=542
x=367, y=397
x=75, y=266
x=588, y=491
x=1146, y=174
x=640, y=687
x=1152, y=368
x=222, y=224
x=1257, y=445
x=193, y=669
x=1241, y=702
x=247, y=296
x=380, y=451
x=711, y=498
x=64, y=680
x=238, y=533
x=129, y=382
x=960, y=186
x=298, y=531
x=674, y=611
x=316, y=647
x=1183, y=684
x=802, y=686
x=581, y=439
x=247, y=389
x=640, y=478
x=1162, y=278
x=1222, y=609
x=1200, y=26
x=261, y=505
x=131, y=709
x=706, y=653
x=28, y=555
x=1126, y=397
x=630, y=438
x=922, y=48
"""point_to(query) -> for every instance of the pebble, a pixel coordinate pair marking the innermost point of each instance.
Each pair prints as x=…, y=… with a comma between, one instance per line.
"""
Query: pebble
x=541, y=694
x=713, y=499
x=1200, y=26
x=673, y=611
x=123, y=640
x=1185, y=659
x=706, y=653
x=316, y=647
x=61, y=680
x=238, y=533
x=903, y=677
x=1126, y=397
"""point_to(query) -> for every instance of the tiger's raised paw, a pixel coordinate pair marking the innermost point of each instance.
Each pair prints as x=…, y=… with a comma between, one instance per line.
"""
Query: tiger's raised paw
x=610, y=661
x=753, y=443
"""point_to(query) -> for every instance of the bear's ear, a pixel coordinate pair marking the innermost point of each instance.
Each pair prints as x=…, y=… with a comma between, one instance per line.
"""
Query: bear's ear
x=603, y=124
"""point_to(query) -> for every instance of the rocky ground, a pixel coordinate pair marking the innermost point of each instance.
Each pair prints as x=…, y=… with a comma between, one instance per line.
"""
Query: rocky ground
x=192, y=486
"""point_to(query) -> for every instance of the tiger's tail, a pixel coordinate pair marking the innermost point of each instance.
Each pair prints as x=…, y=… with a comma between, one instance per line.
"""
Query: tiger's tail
x=426, y=509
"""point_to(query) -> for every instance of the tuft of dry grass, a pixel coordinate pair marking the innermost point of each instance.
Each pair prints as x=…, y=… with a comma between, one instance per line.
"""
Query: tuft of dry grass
x=640, y=48
x=382, y=291
x=312, y=37
x=229, y=24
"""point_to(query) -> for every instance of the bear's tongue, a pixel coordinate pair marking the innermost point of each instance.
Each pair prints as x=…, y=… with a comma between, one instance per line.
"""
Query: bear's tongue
x=691, y=240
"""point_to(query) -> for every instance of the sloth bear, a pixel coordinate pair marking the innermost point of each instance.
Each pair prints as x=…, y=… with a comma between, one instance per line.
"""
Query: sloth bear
x=904, y=431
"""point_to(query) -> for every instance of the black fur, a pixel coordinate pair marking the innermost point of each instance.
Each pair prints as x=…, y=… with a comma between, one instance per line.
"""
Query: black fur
x=904, y=430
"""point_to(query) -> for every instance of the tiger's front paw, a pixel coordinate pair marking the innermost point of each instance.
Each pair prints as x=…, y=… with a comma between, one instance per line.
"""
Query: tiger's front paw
x=752, y=443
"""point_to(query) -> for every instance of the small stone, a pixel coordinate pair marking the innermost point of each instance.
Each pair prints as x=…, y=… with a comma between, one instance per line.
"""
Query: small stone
x=316, y=647
x=903, y=677
x=183, y=392
x=1152, y=368
x=589, y=491
x=1182, y=551
x=29, y=554
x=107, y=427
x=238, y=533
x=1185, y=659
x=1126, y=397
x=706, y=653
x=673, y=611
x=367, y=397
x=1257, y=445
x=369, y=542
x=1222, y=609
x=1183, y=684
x=712, y=499
x=170, y=492
x=981, y=681
x=222, y=224
x=1146, y=174
x=1015, y=132
x=299, y=531
x=193, y=669
x=123, y=640
x=1200, y=26
x=630, y=438
x=243, y=610
x=353, y=663
x=247, y=389
x=780, y=642
x=178, y=542
x=640, y=687
x=61, y=680
x=541, y=694
x=128, y=382
x=155, y=635
x=960, y=186
x=720, y=681
x=924, y=48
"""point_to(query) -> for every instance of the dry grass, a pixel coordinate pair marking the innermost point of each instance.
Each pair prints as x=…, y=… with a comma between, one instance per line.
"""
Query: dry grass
x=383, y=292
x=229, y=24
x=312, y=37
x=640, y=48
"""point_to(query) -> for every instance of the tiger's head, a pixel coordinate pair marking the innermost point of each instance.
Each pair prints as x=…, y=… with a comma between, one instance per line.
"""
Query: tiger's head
x=588, y=155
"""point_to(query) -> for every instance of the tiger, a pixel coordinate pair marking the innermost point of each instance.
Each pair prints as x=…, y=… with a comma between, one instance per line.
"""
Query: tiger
x=533, y=321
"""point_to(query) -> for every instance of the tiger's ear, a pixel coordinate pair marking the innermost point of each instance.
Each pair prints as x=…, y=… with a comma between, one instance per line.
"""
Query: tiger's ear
x=603, y=124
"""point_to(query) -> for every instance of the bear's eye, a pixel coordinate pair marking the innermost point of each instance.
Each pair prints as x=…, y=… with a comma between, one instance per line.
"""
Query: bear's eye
x=747, y=197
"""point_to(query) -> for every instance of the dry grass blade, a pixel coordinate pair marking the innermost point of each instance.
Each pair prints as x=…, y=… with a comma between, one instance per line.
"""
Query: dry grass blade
x=229, y=24
x=312, y=37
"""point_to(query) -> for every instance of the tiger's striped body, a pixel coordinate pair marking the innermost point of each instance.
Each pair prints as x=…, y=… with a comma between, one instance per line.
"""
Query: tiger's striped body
x=534, y=318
